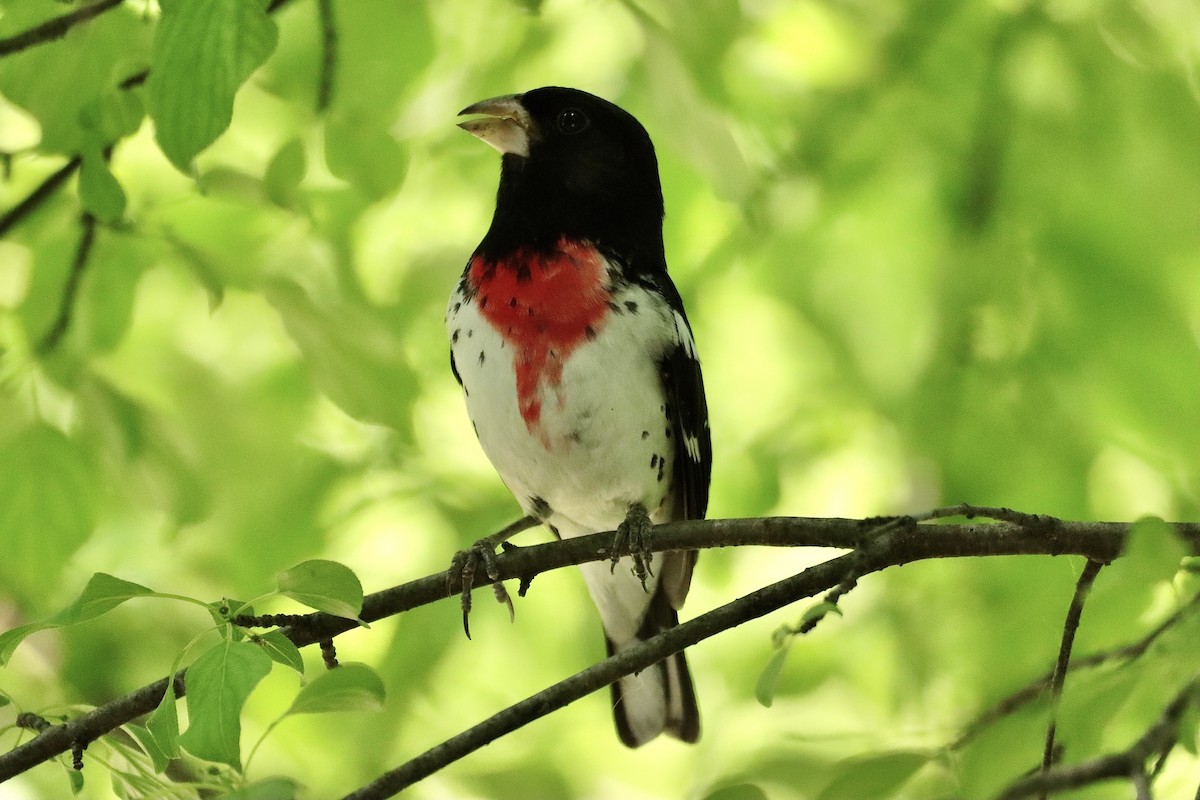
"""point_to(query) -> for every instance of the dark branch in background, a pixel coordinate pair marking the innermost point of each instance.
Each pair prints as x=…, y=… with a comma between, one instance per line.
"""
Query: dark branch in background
x=38, y=196
x=43, y=192
x=1034, y=689
x=66, y=305
x=1082, y=587
x=1097, y=541
x=1158, y=740
x=55, y=28
x=329, y=52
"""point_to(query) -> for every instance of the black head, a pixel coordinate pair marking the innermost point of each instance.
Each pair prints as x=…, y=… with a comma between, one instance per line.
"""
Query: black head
x=574, y=165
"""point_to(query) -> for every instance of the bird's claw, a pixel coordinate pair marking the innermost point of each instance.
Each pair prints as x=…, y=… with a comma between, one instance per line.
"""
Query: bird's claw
x=463, y=566
x=633, y=539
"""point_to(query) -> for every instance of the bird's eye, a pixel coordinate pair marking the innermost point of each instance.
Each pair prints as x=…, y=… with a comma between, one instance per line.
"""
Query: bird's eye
x=571, y=120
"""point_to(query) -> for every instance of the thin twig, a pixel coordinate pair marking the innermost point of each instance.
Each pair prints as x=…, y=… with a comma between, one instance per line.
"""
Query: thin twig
x=38, y=196
x=55, y=28
x=1032, y=690
x=1101, y=541
x=1161, y=736
x=66, y=304
x=1082, y=587
x=329, y=53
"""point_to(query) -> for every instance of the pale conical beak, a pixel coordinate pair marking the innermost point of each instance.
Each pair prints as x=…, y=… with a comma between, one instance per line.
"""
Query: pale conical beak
x=505, y=124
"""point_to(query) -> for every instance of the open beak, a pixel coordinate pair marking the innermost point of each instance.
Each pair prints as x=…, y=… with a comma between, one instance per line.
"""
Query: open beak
x=505, y=124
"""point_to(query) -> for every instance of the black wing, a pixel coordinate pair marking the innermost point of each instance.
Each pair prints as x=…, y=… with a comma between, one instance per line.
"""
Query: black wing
x=688, y=411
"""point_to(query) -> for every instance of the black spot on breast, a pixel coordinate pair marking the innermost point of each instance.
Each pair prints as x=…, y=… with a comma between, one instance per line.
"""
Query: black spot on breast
x=632, y=306
x=529, y=312
x=576, y=436
x=540, y=508
x=668, y=433
x=662, y=464
x=481, y=358
x=457, y=307
x=654, y=461
x=590, y=332
x=613, y=307
x=645, y=434
x=512, y=302
x=454, y=336
x=483, y=301
x=470, y=333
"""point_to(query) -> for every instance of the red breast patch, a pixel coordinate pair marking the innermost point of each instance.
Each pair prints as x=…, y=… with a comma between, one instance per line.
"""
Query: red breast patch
x=544, y=304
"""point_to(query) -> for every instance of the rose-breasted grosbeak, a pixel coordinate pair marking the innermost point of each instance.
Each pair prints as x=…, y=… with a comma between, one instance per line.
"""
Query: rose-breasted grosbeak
x=579, y=369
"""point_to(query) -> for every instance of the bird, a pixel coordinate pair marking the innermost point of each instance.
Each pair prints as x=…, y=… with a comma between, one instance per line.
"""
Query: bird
x=580, y=372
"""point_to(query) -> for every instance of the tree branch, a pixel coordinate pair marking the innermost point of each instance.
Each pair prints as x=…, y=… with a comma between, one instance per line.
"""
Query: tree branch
x=639, y=657
x=1098, y=541
x=1161, y=736
x=55, y=28
x=1032, y=690
x=66, y=306
x=329, y=52
x=38, y=196
x=1059, y=679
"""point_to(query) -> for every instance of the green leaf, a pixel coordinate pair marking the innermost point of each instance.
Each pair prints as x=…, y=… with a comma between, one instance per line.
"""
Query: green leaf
x=149, y=746
x=203, y=52
x=738, y=791
x=361, y=152
x=112, y=116
x=284, y=174
x=1189, y=728
x=75, y=779
x=11, y=638
x=324, y=585
x=281, y=650
x=268, y=789
x=349, y=687
x=1153, y=551
x=820, y=610
x=47, y=507
x=58, y=80
x=102, y=594
x=162, y=725
x=764, y=690
x=218, y=684
x=872, y=776
x=354, y=353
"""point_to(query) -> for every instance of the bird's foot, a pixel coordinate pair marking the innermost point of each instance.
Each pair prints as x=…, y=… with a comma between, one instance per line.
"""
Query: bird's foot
x=483, y=553
x=633, y=539
x=464, y=565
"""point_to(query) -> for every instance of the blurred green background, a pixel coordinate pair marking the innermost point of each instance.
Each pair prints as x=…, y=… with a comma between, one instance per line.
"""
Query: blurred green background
x=933, y=252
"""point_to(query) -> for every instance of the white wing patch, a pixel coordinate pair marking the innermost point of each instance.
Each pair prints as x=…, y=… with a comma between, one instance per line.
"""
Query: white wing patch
x=684, y=335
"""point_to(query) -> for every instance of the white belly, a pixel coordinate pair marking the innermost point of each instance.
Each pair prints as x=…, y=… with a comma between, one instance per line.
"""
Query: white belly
x=602, y=440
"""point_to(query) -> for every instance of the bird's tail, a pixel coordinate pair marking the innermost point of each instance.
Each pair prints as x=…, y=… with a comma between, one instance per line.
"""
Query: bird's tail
x=661, y=698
